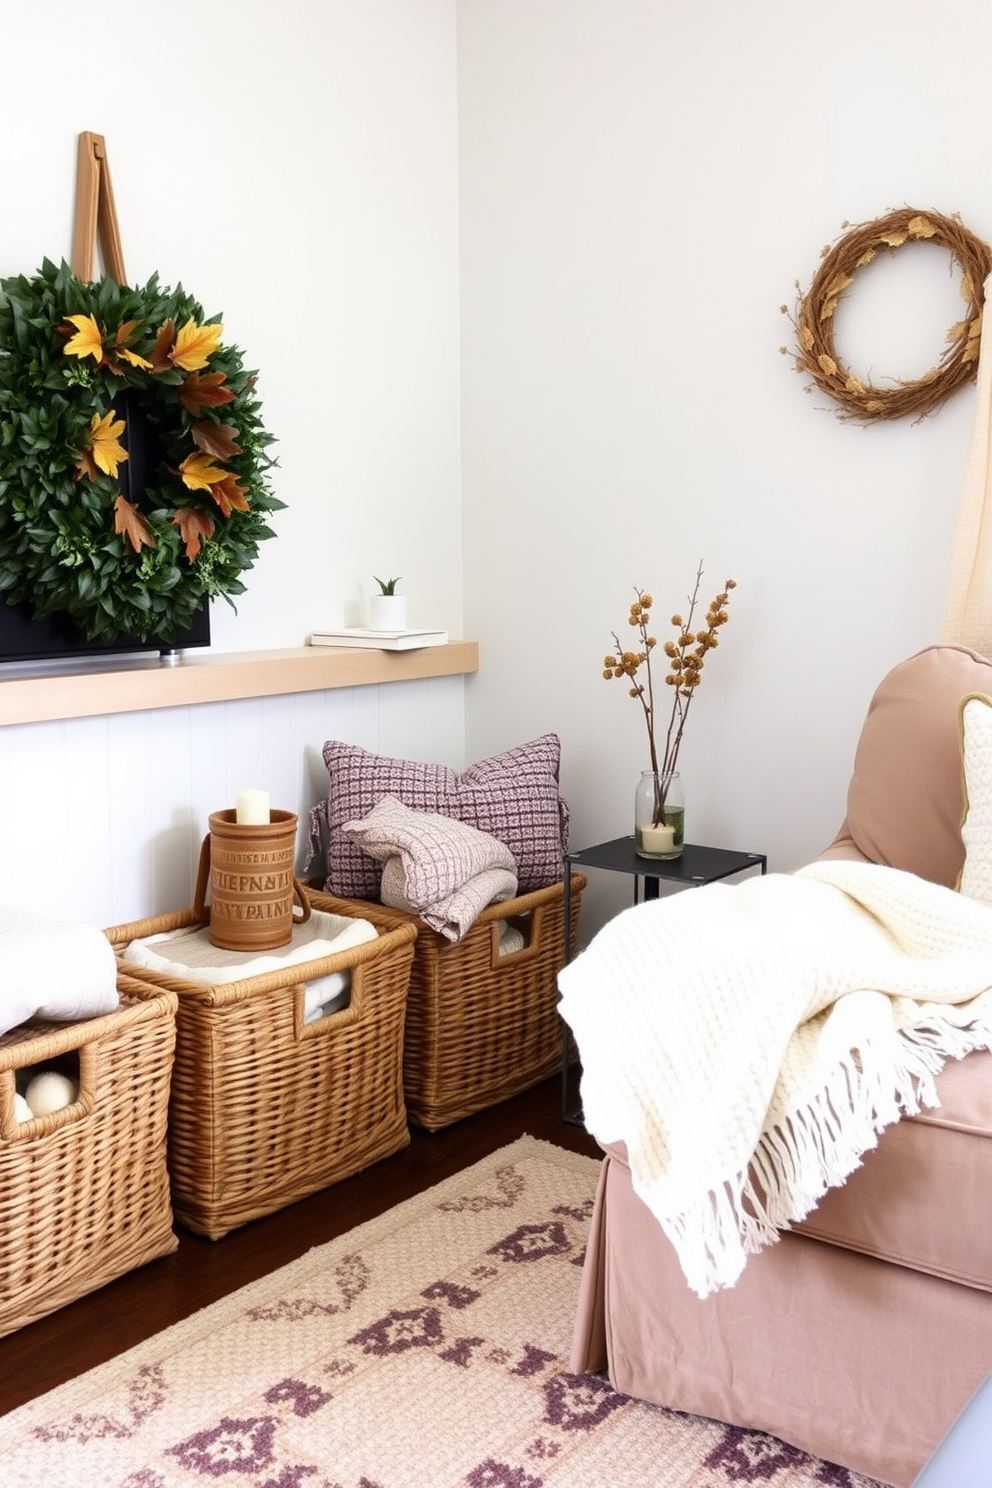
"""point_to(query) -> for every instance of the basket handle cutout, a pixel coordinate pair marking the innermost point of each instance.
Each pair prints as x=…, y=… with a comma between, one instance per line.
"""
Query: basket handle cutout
x=334, y=1023
x=529, y=922
x=80, y=1066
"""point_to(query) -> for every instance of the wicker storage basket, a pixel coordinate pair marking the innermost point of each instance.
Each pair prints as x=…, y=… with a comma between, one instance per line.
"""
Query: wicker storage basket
x=481, y=1027
x=84, y=1192
x=266, y=1109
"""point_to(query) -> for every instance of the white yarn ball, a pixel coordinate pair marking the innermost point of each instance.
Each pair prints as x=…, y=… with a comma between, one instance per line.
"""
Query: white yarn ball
x=22, y=1110
x=49, y=1092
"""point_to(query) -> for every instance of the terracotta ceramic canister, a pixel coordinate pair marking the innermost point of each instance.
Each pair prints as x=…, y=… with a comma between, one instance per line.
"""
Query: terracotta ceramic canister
x=252, y=885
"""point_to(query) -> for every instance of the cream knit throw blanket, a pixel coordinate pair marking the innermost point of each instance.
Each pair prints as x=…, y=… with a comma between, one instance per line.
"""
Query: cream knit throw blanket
x=748, y=1043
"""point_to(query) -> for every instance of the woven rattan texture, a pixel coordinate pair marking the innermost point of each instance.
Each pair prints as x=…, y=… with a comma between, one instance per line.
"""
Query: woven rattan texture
x=84, y=1192
x=481, y=1027
x=267, y=1109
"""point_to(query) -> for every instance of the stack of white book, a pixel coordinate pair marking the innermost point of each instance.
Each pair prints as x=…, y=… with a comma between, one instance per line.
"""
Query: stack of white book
x=380, y=640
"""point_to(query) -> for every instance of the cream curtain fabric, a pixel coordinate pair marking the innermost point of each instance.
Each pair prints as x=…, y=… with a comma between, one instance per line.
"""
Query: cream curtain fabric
x=968, y=606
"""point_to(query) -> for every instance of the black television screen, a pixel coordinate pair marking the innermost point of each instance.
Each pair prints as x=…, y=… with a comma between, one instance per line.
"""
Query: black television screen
x=57, y=638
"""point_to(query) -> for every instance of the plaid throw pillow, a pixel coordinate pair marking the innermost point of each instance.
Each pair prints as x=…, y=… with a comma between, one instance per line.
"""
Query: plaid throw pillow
x=513, y=796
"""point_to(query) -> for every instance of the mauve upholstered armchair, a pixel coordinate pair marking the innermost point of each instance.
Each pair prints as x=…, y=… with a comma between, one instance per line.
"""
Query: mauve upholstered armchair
x=862, y=1334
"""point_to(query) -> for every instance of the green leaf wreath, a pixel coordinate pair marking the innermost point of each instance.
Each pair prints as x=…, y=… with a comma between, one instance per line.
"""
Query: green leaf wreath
x=82, y=366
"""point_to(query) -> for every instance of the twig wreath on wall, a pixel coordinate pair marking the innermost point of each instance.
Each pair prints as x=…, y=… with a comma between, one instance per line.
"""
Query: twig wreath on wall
x=95, y=374
x=814, y=316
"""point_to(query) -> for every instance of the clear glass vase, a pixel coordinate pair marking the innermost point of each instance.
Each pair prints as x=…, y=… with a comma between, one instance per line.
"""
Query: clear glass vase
x=659, y=815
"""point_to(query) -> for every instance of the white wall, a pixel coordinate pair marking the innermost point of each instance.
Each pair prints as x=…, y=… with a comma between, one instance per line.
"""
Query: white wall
x=642, y=183
x=103, y=817
x=294, y=166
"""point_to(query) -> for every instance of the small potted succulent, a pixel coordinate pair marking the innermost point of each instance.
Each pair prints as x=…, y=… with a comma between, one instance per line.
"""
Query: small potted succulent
x=387, y=609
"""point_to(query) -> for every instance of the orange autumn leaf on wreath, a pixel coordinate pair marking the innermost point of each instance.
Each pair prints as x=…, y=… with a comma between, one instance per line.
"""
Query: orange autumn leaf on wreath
x=216, y=440
x=198, y=393
x=102, y=449
x=199, y=472
x=230, y=493
x=164, y=342
x=130, y=524
x=195, y=345
x=88, y=340
x=126, y=332
x=194, y=526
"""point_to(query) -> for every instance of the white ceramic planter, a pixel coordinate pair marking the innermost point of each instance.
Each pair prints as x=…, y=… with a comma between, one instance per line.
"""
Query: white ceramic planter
x=387, y=612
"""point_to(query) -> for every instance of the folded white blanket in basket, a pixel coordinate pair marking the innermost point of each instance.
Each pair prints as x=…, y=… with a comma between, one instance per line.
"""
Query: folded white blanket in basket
x=52, y=968
x=189, y=955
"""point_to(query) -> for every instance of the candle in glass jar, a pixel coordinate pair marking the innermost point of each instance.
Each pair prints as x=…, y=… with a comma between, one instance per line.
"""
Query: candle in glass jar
x=252, y=808
x=659, y=839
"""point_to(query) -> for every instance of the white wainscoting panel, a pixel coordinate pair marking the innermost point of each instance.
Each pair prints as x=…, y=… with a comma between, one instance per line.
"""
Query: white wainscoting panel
x=101, y=819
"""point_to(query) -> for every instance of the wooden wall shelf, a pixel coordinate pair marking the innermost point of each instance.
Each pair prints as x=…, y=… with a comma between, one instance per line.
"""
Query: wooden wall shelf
x=138, y=686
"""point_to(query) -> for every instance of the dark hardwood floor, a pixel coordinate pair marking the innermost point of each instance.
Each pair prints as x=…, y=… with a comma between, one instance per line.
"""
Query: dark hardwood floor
x=105, y=1323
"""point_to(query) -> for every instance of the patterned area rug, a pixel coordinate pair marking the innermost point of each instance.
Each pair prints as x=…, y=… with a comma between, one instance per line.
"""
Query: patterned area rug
x=426, y=1349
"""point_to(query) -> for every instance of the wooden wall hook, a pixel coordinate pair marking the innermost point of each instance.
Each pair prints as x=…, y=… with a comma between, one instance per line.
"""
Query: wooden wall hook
x=96, y=214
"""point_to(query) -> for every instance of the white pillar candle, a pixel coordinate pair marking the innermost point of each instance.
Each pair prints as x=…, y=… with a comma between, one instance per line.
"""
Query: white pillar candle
x=659, y=839
x=253, y=808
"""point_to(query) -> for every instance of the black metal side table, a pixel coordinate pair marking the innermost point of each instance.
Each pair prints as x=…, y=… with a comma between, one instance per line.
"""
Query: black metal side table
x=697, y=866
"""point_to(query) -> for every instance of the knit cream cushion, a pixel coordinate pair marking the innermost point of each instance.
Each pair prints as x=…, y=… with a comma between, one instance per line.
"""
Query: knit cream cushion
x=976, y=830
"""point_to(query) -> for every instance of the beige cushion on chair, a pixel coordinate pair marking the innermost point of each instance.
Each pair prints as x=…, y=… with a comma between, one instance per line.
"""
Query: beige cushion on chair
x=920, y=1197
x=906, y=799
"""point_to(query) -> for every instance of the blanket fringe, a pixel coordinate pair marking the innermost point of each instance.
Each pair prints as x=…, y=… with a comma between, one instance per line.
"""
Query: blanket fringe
x=815, y=1148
